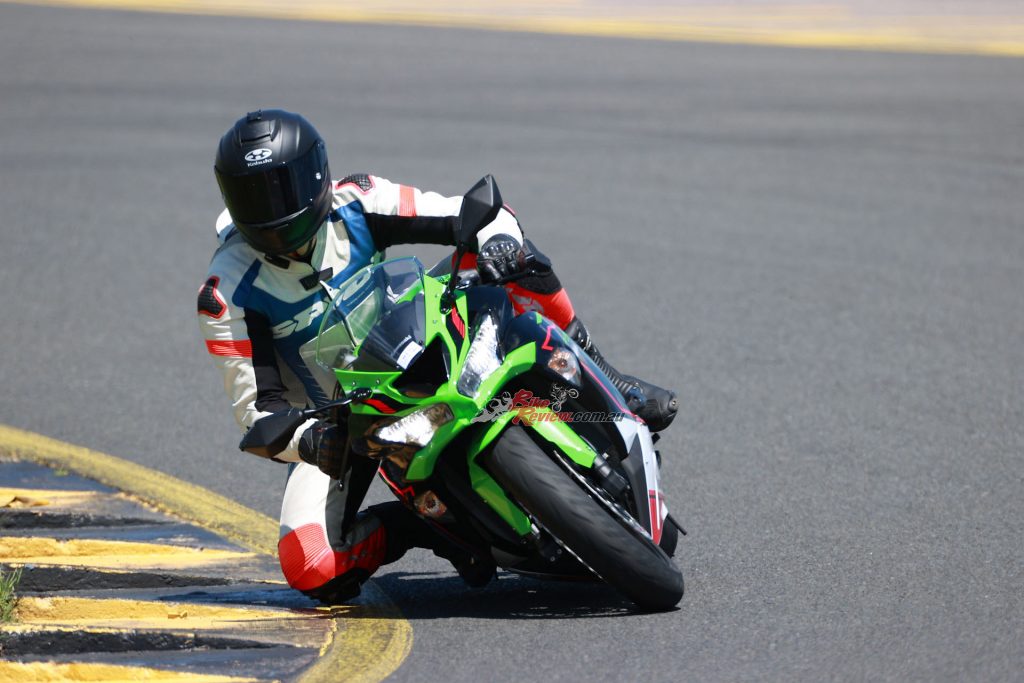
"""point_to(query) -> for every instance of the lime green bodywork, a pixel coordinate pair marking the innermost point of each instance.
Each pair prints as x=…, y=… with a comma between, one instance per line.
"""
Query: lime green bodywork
x=465, y=408
x=554, y=431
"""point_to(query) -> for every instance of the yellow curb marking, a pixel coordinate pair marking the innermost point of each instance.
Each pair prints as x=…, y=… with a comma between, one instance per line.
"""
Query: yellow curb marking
x=374, y=628
x=784, y=24
x=361, y=638
x=193, y=503
x=21, y=502
x=111, y=554
x=14, y=498
x=282, y=630
x=73, y=628
x=112, y=571
x=46, y=671
x=116, y=613
x=369, y=646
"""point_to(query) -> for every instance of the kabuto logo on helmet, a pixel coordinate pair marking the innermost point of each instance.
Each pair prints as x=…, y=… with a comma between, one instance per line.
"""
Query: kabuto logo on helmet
x=258, y=156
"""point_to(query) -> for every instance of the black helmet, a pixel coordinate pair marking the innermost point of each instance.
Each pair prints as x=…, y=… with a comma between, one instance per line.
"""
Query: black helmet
x=272, y=171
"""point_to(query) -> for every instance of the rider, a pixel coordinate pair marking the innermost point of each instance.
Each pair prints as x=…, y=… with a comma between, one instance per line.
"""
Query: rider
x=289, y=236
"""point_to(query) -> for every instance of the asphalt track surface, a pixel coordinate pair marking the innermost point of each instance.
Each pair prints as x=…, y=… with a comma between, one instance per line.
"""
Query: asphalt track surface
x=821, y=250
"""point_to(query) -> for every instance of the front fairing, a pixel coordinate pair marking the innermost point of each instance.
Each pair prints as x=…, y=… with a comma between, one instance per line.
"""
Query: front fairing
x=448, y=337
x=415, y=328
x=382, y=359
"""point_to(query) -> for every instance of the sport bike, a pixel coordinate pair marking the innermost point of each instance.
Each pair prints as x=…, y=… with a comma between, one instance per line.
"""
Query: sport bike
x=495, y=428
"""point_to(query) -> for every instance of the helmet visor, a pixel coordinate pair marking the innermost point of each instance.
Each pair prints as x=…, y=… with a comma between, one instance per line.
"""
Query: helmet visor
x=279, y=191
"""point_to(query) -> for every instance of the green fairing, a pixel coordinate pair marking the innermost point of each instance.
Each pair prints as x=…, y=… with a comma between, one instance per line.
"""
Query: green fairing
x=464, y=408
x=494, y=495
x=516, y=362
x=554, y=431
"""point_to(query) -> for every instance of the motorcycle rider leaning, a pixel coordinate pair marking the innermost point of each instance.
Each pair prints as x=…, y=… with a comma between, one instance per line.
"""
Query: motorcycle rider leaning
x=290, y=235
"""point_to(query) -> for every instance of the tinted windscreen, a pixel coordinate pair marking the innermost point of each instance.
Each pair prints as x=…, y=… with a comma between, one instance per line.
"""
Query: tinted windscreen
x=397, y=338
x=380, y=312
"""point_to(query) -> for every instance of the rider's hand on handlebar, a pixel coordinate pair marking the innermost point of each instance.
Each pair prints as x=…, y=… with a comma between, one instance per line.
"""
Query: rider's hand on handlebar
x=500, y=257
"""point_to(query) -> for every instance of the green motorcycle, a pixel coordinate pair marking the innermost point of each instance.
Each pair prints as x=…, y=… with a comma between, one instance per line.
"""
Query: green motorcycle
x=495, y=428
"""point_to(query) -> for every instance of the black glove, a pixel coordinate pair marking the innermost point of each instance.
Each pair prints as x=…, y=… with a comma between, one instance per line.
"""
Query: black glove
x=499, y=257
x=323, y=445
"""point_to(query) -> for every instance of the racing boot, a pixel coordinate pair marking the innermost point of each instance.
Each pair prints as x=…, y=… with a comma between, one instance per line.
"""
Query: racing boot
x=654, y=405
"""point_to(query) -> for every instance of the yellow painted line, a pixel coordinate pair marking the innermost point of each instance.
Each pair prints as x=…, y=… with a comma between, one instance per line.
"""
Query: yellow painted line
x=370, y=644
x=15, y=672
x=789, y=25
x=193, y=503
x=18, y=498
x=378, y=627
x=109, y=554
x=14, y=627
x=116, y=613
x=360, y=638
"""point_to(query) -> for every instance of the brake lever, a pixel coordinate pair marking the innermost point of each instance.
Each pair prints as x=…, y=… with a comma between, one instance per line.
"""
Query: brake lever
x=359, y=395
x=470, y=280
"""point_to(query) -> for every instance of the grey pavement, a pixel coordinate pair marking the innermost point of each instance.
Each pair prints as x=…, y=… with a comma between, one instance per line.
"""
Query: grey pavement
x=821, y=250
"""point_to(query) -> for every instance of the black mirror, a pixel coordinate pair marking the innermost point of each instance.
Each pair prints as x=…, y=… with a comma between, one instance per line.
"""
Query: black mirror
x=480, y=206
x=270, y=435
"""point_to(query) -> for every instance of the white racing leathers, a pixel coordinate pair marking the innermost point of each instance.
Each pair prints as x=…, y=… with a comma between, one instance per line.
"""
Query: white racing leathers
x=256, y=312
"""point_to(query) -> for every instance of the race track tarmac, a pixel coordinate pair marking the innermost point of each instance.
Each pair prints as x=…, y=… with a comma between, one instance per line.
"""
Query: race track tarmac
x=821, y=250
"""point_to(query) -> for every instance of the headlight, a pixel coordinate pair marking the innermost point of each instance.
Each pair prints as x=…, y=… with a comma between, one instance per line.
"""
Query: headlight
x=564, y=363
x=416, y=428
x=482, y=360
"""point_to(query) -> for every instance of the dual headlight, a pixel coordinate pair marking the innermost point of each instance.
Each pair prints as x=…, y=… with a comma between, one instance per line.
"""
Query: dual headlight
x=419, y=427
x=483, y=358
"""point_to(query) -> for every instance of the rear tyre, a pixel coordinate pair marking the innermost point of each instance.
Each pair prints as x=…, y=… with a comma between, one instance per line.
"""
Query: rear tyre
x=633, y=565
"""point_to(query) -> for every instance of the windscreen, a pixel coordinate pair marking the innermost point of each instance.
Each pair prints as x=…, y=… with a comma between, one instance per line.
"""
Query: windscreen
x=369, y=316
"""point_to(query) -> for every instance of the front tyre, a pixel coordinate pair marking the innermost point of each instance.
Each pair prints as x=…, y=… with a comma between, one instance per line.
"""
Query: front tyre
x=634, y=566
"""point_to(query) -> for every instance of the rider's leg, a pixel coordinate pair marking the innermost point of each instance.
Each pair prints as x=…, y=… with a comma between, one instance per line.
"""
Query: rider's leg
x=660, y=405
x=328, y=548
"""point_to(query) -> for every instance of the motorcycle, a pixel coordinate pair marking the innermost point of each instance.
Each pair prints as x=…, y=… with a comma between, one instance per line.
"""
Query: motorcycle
x=495, y=428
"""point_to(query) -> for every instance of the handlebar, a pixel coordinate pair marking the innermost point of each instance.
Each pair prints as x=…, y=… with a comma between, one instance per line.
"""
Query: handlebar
x=473, y=277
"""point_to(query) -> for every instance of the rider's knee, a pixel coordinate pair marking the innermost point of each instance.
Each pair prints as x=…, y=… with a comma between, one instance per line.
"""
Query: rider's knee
x=311, y=565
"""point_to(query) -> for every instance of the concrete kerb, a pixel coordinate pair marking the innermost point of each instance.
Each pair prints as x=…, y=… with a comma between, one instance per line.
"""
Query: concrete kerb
x=375, y=638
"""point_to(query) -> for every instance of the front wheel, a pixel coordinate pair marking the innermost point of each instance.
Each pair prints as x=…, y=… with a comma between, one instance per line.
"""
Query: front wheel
x=633, y=565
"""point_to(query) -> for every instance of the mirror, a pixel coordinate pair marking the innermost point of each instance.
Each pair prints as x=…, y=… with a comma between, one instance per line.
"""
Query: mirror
x=270, y=435
x=480, y=206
